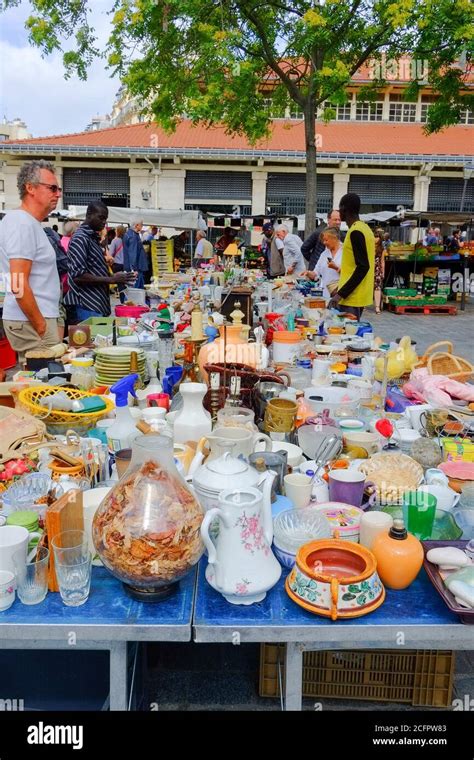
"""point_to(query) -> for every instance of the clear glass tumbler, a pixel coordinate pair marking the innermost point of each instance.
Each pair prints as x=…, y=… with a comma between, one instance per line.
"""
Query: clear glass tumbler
x=32, y=576
x=73, y=564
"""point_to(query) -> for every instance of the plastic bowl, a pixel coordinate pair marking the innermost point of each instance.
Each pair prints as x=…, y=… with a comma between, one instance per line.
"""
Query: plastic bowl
x=25, y=493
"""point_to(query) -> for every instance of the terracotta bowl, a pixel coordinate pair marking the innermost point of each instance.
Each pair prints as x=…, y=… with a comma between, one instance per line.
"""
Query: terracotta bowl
x=335, y=579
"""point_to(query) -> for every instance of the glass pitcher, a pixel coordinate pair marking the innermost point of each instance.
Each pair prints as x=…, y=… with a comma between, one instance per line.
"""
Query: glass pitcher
x=147, y=529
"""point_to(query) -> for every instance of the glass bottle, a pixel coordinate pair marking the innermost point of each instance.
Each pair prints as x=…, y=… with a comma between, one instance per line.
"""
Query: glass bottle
x=147, y=529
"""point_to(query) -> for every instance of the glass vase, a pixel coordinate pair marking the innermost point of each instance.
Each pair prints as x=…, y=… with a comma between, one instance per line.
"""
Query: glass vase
x=147, y=529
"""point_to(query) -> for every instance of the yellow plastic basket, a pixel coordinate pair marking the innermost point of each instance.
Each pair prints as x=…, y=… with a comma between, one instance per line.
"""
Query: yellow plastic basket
x=58, y=422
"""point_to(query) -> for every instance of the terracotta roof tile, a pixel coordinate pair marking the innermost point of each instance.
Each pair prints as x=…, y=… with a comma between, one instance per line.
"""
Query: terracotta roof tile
x=288, y=136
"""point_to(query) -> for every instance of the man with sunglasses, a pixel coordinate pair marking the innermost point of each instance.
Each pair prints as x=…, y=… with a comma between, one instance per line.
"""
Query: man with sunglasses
x=28, y=262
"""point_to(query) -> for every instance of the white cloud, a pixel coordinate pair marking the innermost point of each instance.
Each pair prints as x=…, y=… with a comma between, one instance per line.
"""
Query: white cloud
x=34, y=89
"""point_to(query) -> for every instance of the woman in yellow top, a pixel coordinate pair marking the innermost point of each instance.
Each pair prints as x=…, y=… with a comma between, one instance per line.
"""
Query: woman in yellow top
x=356, y=283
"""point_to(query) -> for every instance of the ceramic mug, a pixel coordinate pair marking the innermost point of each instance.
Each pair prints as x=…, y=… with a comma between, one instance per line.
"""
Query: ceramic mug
x=242, y=442
x=15, y=539
x=298, y=488
x=7, y=589
x=348, y=486
x=445, y=497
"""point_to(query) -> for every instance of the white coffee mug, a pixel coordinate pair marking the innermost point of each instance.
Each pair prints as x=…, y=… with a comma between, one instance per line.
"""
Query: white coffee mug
x=371, y=525
x=298, y=488
x=445, y=497
x=13, y=539
x=243, y=442
x=414, y=413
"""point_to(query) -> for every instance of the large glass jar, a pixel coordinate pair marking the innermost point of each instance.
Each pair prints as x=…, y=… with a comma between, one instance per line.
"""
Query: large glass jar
x=147, y=529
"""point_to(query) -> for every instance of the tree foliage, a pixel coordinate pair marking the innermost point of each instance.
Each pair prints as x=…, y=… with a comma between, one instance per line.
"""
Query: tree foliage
x=217, y=61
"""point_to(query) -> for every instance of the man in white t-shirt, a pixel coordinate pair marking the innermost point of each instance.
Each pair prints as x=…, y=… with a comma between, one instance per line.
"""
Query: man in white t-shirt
x=28, y=263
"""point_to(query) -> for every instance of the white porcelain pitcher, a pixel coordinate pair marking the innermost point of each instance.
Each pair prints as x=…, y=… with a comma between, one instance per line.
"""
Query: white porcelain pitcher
x=241, y=565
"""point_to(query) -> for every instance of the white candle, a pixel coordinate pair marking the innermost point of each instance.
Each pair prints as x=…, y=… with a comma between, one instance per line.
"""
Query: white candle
x=371, y=525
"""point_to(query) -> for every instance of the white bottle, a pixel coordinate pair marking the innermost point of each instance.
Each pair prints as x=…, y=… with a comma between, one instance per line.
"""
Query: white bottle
x=121, y=434
x=192, y=421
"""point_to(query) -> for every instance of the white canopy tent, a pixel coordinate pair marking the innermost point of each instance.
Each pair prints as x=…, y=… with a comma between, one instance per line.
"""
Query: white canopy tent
x=177, y=218
x=378, y=216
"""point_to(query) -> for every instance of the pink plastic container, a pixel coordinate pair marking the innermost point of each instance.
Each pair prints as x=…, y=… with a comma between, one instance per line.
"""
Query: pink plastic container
x=130, y=311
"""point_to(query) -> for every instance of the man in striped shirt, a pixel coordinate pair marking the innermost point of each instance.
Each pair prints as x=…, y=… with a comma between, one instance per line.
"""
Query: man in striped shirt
x=89, y=278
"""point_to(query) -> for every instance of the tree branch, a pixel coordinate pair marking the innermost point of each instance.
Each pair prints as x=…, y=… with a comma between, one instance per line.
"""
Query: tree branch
x=270, y=58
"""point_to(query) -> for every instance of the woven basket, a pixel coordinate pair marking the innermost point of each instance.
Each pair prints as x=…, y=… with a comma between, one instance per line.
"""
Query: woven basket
x=445, y=363
x=60, y=422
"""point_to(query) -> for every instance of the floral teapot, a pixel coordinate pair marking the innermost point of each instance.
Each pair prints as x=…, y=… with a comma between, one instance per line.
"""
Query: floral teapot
x=241, y=565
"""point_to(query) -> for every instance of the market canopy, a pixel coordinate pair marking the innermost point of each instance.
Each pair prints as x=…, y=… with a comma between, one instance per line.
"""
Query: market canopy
x=376, y=216
x=177, y=218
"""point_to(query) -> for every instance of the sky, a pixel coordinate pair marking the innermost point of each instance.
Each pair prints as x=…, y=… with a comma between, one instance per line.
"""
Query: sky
x=34, y=88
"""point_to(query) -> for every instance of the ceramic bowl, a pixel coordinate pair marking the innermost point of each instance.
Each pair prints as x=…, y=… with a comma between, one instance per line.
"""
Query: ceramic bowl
x=332, y=398
x=295, y=453
x=344, y=519
x=360, y=444
x=286, y=559
x=335, y=579
x=310, y=437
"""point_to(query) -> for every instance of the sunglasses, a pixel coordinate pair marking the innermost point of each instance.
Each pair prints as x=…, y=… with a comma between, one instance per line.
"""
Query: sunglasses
x=53, y=188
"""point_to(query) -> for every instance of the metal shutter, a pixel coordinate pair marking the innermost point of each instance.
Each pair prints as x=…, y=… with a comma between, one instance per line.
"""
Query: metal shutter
x=81, y=186
x=382, y=190
x=233, y=186
x=286, y=193
x=445, y=194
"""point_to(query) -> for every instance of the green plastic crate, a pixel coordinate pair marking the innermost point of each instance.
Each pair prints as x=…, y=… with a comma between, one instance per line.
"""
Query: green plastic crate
x=397, y=301
x=439, y=299
x=400, y=292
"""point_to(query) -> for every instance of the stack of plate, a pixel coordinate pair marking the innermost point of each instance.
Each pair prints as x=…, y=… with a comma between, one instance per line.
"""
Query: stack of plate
x=113, y=363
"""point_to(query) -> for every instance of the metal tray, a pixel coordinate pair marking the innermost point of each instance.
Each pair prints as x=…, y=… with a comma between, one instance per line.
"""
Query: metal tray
x=466, y=616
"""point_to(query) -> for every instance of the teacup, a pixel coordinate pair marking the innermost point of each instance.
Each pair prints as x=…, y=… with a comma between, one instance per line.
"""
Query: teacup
x=14, y=539
x=298, y=488
x=445, y=497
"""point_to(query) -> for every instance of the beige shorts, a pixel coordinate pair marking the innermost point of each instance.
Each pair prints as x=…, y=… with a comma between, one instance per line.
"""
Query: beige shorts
x=23, y=337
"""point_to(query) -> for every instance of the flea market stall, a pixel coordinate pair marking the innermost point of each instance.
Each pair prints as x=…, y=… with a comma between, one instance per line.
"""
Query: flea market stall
x=234, y=460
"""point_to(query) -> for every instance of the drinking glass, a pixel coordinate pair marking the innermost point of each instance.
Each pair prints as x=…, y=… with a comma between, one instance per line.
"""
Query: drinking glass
x=95, y=456
x=32, y=576
x=73, y=563
x=419, y=509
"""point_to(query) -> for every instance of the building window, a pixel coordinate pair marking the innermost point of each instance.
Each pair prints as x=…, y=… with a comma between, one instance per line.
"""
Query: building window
x=401, y=111
x=466, y=116
x=344, y=112
x=369, y=111
x=426, y=101
x=295, y=113
x=2, y=185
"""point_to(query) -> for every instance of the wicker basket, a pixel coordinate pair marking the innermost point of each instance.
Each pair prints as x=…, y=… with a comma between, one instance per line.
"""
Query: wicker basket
x=445, y=363
x=57, y=422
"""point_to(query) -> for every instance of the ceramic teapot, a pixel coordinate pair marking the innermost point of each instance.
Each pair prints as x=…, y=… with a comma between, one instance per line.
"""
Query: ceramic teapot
x=226, y=472
x=241, y=565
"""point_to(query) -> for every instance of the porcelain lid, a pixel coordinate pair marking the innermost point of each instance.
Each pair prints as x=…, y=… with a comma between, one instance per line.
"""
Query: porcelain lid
x=216, y=473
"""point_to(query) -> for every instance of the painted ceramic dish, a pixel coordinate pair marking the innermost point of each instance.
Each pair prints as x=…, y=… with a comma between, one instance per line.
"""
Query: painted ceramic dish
x=335, y=579
x=344, y=519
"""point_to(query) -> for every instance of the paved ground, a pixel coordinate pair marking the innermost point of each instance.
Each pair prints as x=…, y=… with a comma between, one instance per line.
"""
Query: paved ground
x=428, y=329
x=226, y=677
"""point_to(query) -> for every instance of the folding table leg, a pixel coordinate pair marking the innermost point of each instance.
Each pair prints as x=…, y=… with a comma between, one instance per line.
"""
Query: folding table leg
x=118, y=675
x=294, y=676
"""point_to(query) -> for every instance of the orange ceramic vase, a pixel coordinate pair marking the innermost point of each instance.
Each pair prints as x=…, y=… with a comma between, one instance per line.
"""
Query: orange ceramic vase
x=237, y=350
x=399, y=556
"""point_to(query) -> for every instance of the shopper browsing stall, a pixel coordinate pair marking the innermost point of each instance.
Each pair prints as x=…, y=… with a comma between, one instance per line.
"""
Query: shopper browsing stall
x=292, y=256
x=328, y=267
x=89, y=277
x=28, y=262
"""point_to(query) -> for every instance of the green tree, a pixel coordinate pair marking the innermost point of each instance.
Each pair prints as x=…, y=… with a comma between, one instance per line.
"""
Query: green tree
x=216, y=61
